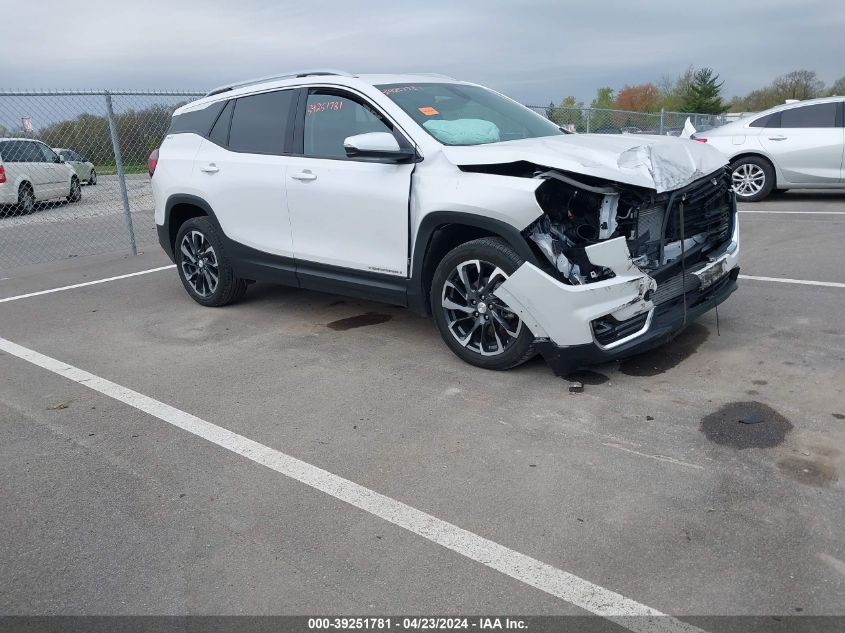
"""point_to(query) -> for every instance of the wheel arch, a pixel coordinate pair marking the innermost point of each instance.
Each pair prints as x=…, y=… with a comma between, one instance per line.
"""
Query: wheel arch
x=178, y=209
x=440, y=232
x=765, y=157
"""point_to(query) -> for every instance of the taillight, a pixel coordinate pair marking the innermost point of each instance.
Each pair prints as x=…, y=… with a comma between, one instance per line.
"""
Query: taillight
x=2, y=174
x=700, y=140
x=152, y=161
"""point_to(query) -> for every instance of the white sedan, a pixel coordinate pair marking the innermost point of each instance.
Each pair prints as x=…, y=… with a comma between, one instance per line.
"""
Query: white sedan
x=83, y=168
x=799, y=144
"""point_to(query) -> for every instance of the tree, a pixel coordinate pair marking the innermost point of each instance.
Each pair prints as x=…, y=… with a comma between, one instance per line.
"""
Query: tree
x=674, y=90
x=799, y=84
x=605, y=98
x=568, y=113
x=642, y=98
x=704, y=93
x=550, y=111
x=838, y=88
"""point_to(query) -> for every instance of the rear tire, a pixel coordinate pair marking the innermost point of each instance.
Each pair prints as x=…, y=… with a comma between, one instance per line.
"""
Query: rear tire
x=204, y=268
x=476, y=325
x=753, y=178
x=26, y=200
x=75, y=194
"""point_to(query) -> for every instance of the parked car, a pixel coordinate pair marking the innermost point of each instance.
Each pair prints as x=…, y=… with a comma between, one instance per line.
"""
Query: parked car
x=607, y=130
x=31, y=172
x=798, y=144
x=453, y=200
x=83, y=167
x=630, y=130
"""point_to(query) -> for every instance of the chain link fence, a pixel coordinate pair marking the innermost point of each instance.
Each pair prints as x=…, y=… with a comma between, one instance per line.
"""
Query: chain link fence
x=104, y=139
x=600, y=121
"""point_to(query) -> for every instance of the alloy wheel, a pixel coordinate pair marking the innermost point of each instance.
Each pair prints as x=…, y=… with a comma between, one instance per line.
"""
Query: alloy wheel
x=199, y=263
x=748, y=179
x=479, y=321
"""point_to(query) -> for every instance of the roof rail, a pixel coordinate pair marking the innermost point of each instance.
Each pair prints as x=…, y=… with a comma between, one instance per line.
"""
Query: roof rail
x=441, y=75
x=288, y=75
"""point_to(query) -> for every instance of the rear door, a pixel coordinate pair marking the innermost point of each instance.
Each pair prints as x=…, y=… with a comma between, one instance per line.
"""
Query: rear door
x=241, y=170
x=807, y=143
x=346, y=213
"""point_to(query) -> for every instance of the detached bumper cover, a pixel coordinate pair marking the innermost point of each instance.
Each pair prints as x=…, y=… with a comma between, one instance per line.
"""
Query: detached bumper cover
x=626, y=314
x=667, y=321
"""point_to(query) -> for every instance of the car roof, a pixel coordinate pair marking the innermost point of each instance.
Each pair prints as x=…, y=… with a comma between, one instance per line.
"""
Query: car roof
x=14, y=138
x=305, y=78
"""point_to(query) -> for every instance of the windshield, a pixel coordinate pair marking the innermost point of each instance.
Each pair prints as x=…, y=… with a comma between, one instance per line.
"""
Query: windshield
x=457, y=114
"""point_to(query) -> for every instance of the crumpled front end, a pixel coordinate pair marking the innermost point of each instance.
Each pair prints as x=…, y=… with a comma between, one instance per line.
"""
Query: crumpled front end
x=624, y=268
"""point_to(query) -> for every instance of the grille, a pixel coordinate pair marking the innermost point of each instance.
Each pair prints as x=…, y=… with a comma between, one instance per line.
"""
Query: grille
x=707, y=209
x=677, y=285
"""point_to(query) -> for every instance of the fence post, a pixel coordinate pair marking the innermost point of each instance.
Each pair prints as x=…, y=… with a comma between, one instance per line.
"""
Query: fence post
x=662, y=112
x=587, y=119
x=121, y=176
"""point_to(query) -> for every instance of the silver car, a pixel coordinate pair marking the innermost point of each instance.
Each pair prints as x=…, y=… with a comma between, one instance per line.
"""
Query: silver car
x=795, y=145
x=83, y=168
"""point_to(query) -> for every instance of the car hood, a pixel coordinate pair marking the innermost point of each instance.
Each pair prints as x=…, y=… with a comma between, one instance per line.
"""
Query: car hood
x=662, y=163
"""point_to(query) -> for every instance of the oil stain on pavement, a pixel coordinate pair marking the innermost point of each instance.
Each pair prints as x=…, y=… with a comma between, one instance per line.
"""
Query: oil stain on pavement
x=666, y=356
x=746, y=425
x=818, y=472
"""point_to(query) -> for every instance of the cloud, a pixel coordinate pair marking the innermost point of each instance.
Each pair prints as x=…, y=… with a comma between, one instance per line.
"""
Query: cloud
x=534, y=51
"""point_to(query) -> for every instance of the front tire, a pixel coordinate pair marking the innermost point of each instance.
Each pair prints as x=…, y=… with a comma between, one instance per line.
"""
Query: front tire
x=753, y=178
x=92, y=179
x=205, y=270
x=75, y=194
x=476, y=325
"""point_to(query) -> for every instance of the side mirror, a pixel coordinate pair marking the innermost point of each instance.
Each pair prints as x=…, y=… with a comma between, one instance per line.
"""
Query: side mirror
x=377, y=145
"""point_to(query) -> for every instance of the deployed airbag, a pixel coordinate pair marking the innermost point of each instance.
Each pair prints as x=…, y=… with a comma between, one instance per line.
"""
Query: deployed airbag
x=463, y=131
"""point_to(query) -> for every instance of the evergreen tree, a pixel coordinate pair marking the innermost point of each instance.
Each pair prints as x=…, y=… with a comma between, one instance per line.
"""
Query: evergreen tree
x=705, y=93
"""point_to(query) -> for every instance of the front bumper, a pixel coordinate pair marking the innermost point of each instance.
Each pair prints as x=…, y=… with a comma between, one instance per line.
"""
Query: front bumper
x=630, y=313
x=667, y=321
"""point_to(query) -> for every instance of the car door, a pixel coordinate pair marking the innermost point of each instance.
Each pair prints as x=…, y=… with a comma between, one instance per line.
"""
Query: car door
x=58, y=174
x=241, y=167
x=807, y=143
x=345, y=213
x=72, y=159
x=38, y=171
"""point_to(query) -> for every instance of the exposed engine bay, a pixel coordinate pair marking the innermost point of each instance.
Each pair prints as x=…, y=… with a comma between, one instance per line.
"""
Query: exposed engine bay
x=658, y=228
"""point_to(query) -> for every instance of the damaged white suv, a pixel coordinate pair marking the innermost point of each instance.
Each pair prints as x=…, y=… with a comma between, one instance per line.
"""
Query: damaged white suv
x=453, y=200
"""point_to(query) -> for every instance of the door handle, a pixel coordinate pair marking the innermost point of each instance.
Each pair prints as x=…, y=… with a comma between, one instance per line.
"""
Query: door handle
x=211, y=168
x=777, y=138
x=304, y=175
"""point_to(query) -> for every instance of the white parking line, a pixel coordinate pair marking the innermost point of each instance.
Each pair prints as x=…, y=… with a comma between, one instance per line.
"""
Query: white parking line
x=803, y=282
x=797, y=212
x=87, y=283
x=564, y=585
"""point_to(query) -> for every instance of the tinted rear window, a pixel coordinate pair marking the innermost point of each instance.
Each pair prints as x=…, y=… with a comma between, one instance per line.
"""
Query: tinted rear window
x=197, y=121
x=260, y=123
x=819, y=115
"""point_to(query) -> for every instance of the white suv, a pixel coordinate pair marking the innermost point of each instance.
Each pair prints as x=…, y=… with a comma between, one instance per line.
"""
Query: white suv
x=31, y=172
x=453, y=200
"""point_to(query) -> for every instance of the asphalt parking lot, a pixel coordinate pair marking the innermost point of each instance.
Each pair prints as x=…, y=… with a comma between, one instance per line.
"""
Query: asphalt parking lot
x=704, y=478
x=96, y=224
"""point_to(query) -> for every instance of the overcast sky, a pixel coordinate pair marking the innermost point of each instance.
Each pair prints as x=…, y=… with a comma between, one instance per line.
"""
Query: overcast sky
x=533, y=51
